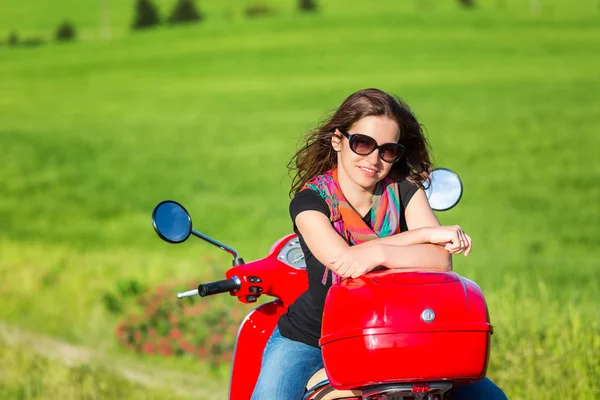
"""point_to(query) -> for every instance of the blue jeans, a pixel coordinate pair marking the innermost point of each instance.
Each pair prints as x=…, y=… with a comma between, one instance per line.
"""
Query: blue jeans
x=287, y=366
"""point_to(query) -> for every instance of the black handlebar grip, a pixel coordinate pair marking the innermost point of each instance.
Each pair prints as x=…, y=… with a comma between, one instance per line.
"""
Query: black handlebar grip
x=224, y=286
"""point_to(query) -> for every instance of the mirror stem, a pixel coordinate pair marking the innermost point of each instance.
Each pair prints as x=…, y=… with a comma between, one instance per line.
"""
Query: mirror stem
x=238, y=261
x=215, y=243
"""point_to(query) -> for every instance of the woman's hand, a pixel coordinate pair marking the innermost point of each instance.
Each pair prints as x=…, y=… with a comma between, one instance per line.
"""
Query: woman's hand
x=355, y=261
x=453, y=238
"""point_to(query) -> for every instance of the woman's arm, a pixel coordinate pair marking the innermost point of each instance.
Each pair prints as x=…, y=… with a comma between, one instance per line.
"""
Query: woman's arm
x=327, y=245
x=418, y=256
x=426, y=245
x=424, y=228
x=405, y=250
x=415, y=248
x=318, y=234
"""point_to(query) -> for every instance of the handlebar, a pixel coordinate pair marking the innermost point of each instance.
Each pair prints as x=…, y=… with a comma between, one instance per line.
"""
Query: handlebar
x=211, y=288
x=223, y=286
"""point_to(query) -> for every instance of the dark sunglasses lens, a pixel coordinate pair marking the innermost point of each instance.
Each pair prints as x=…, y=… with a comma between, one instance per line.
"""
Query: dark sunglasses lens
x=391, y=152
x=362, y=144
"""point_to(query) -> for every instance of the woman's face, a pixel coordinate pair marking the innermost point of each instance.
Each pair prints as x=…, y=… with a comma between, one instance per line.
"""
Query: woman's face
x=366, y=171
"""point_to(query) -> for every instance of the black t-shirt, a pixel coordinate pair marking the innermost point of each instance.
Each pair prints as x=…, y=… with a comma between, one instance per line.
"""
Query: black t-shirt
x=302, y=321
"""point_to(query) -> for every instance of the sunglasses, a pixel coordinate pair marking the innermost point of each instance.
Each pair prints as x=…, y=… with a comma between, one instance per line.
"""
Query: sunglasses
x=364, y=145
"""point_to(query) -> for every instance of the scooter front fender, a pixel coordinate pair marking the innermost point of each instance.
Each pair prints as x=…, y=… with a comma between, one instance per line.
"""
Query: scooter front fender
x=252, y=337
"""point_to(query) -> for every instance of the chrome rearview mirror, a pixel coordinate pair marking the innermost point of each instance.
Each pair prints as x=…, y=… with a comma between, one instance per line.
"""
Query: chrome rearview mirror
x=445, y=189
x=171, y=221
x=173, y=224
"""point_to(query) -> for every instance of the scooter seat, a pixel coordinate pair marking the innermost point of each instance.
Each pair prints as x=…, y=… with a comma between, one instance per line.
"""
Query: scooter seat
x=329, y=393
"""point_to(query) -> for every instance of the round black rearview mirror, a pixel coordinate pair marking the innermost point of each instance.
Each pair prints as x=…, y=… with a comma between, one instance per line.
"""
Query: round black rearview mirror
x=445, y=189
x=171, y=221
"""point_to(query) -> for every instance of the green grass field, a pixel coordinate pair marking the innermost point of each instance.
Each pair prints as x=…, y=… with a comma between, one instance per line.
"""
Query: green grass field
x=94, y=133
x=32, y=376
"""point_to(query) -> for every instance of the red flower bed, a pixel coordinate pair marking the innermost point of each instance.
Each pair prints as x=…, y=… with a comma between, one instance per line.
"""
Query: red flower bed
x=201, y=327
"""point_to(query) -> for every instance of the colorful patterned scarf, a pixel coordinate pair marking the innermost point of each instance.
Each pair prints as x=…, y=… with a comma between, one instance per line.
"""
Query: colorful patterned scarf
x=385, y=211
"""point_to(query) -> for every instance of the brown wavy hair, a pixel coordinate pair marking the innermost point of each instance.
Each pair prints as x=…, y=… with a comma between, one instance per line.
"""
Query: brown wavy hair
x=317, y=156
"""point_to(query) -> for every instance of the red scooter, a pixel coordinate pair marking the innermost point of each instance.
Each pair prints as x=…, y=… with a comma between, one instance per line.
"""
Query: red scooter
x=409, y=335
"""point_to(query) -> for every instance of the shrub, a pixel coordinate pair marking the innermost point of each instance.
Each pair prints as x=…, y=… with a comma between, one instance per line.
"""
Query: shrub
x=112, y=303
x=185, y=11
x=126, y=289
x=146, y=15
x=13, y=39
x=164, y=325
x=32, y=42
x=307, y=5
x=65, y=32
x=467, y=3
x=257, y=9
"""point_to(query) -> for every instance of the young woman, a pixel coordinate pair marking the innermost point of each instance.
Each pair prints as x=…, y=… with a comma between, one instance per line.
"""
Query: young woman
x=358, y=204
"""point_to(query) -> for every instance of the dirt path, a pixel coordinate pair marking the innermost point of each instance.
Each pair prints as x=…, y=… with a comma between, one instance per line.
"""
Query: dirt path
x=186, y=385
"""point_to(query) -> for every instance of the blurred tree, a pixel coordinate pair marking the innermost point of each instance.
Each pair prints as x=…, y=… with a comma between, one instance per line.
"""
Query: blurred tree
x=65, y=32
x=13, y=39
x=307, y=5
x=467, y=3
x=185, y=11
x=146, y=15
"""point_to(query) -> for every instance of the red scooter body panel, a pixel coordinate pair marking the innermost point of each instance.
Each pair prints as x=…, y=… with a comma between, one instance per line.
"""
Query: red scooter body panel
x=405, y=327
x=254, y=332
x=276, y=279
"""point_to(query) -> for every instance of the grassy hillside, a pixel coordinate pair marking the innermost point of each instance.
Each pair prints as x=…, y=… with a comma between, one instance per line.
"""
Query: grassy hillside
x=94, y=133
x=95, y=19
